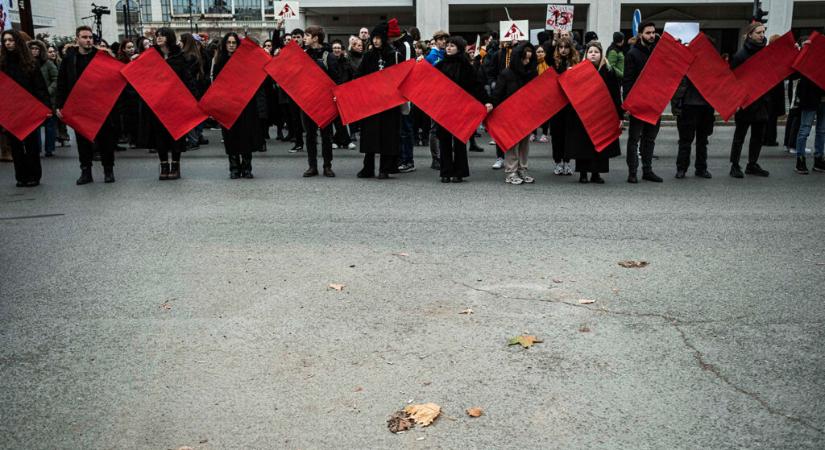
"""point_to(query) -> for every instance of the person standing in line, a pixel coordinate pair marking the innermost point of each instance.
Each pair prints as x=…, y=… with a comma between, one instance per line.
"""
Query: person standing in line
x=755, y=116
x=403, y=44
x=17, y=62
x=49, y=71
x=578, y=144
x=694, y=120
x=245, y=134
x=521, y=69
x=71, y=68
x=615, y=54
x=543, y=52
x=776, y=109
x=564, y=58
x=294, y=113
x=639, y=130
x=323, y=56
x=379, y=132
x=811, y=107
x=457, y=67
x=435, y=56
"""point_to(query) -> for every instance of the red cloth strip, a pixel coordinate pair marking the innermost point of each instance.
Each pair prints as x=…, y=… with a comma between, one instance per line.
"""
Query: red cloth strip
x=525, y=111
x=372, y=94
x=94, y=95
x=305, y=82
x=811, y=60
x=164, y=92
x=767, y=68
x=443, y=100
x=713, y=78
x=20, y=112
x=659, y=79
x=590, y=98
x=236, y=84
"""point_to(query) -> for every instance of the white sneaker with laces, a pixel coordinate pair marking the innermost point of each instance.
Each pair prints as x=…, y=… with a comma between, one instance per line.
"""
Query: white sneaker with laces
x=568, y=169
x=513, y=178
x=498, y=164
x=559, y=169
x=351, y=146
x=525, y=176
x=491, y=142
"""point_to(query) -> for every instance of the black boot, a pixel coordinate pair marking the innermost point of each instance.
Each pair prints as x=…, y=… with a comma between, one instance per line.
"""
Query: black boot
x=174, y=170
x=801, y=166
x=164, y=171
x=596, y=178
x=583, y=178
x=246, y=167
x=85, y=176
x=819, y=164
x=108, y=174
x=234, y=167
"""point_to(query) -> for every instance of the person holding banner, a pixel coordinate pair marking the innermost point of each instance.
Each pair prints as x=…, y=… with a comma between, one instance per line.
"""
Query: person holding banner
x=17, y=62
x=565, y=57
x=71, y=68
x=457, y=67
x=694, y=120
x=326, y=60
x=755, y=116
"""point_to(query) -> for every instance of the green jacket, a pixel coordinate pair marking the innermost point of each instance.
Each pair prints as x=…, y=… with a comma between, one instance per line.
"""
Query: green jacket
x=49, y=71
x=616, y=60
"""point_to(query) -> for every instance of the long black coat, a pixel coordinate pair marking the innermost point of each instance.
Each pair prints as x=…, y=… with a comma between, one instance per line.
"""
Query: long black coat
x=183, y=69
x=758, y=110
x=32, y=81
x=380, y=132
x=245, y=136
x=634, y=62
x=577, y=143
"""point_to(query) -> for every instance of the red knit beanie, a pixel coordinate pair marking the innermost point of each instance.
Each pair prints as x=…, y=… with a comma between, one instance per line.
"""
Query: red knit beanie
x=395, y=31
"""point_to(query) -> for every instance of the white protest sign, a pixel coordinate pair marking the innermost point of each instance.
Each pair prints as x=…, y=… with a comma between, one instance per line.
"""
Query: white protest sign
x=514, y=30
x=682, y=31
x=559, y=18
x=286, y=10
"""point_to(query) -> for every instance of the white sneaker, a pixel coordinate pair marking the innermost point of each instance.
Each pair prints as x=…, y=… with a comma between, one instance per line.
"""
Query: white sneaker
x=543, y=139
x=334, y=146
x=498, y=164
x=525, y=176
x=513, y=178
x=491, y=142
x=559, y=169
x=568, y=169
x=351, y=146
x=532, y=138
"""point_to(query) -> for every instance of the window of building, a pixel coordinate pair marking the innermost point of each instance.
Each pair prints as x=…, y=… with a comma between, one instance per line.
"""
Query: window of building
x=248, y=10
x=145, y=10
x=217, y=7
x=183, y=6
x=165, y=10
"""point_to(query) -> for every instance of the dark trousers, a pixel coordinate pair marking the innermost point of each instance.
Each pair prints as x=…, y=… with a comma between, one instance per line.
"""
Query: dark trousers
x=104, y=144
x=641, y=137
x=26, y=154
x=771, y=135
x=792, y=128
x=755, y=144
x=386, y=163
x=294, y=122
x=453, y=156
x=312, y=142
x=695, y=122
x=407, y=139
x=557, y=134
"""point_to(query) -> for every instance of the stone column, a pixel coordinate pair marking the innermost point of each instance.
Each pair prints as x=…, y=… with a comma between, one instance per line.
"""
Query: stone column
x=603, y=17
x=780, y=15
x=431, y=16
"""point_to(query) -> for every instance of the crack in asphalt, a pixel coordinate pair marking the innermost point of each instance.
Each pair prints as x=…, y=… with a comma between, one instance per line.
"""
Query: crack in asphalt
x=676, y=323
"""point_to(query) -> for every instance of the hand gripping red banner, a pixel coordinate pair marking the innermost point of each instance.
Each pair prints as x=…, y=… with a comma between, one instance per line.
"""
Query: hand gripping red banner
x=659, y=79
x=713, y=78
x=94, y=95
x=767, y=68
x=20, y=112
x=811, y=60
x=509, y=122
x=372, y=94
x=236, y=83
x=305, y=82
x=443, y=100
x=590, y=98
x=164, y=92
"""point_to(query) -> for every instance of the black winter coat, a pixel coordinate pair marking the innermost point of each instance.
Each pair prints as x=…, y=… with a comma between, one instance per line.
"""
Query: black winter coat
x=810, y=95
x=577, y=143
x=461, y=71
x=71, y=68
x=514, y=77
x=32, y=81
x=758, y=110
x=246, y=135
x=634, y=62
x=379, y=132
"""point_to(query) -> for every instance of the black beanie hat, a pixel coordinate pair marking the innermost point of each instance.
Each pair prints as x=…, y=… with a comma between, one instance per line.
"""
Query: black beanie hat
x=382, y=29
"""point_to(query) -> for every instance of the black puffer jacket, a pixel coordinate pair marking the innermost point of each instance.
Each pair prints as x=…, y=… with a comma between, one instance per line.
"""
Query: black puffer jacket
x=758, y=110
x=634, y=62
x=517, y=75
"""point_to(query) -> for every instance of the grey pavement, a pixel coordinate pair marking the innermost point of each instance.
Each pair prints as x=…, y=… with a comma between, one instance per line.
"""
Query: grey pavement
x=155, y=315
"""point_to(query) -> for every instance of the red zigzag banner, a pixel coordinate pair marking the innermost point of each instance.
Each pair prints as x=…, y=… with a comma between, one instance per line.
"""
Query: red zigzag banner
x=94, y=95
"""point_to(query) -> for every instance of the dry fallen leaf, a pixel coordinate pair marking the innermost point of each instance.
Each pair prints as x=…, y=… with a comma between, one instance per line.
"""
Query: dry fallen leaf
x=475, y=412
x=399, y=422
x=584, y=329
x=556, y=280
x=401, y=254
x=615, y=290
x=467, y=311
x=524, y=340
x=630, y=264
x=337, y=287
x=423, y=414
x=166, y=305
x=586, y=301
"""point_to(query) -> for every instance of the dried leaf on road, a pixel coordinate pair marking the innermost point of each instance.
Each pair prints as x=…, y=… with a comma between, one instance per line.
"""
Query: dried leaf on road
x=401, y=254
x=423, y=414
x=166, y=305
x=475, y=412
x=337, y=287
x=399, y=421
x=630, y=264
x=467, y=311
x=524, y=340
x=556, y=280
x=584, y=329
x=586, y=301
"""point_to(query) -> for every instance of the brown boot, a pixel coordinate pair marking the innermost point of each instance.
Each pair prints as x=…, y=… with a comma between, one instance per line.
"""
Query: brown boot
x=174, y=170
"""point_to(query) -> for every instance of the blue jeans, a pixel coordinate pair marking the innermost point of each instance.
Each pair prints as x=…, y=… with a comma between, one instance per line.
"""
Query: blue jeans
x=407, y=139
x=805, y=125
x=50, y=128
x=194, y=135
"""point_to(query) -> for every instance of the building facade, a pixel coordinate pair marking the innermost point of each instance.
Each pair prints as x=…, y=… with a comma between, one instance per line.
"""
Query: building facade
x=721, y=18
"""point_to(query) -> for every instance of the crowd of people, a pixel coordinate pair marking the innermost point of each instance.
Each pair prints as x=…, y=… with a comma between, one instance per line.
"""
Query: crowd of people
x=490, y=72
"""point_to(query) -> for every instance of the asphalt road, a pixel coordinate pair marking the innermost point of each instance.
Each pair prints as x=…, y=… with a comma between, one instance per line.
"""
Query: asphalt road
x=197, y=312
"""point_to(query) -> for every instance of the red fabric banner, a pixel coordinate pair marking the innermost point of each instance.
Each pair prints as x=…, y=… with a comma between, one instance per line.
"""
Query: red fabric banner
x=94, y=95
x=811, y=60
x=236, y=84
x=659, y=79
x=590, y=98
x=20, y=112
x=305, y=82
x=443, y=100
x=525, y=111
x=164, y=92
x=713, y=78
x=767, y=68
x=372, y=94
